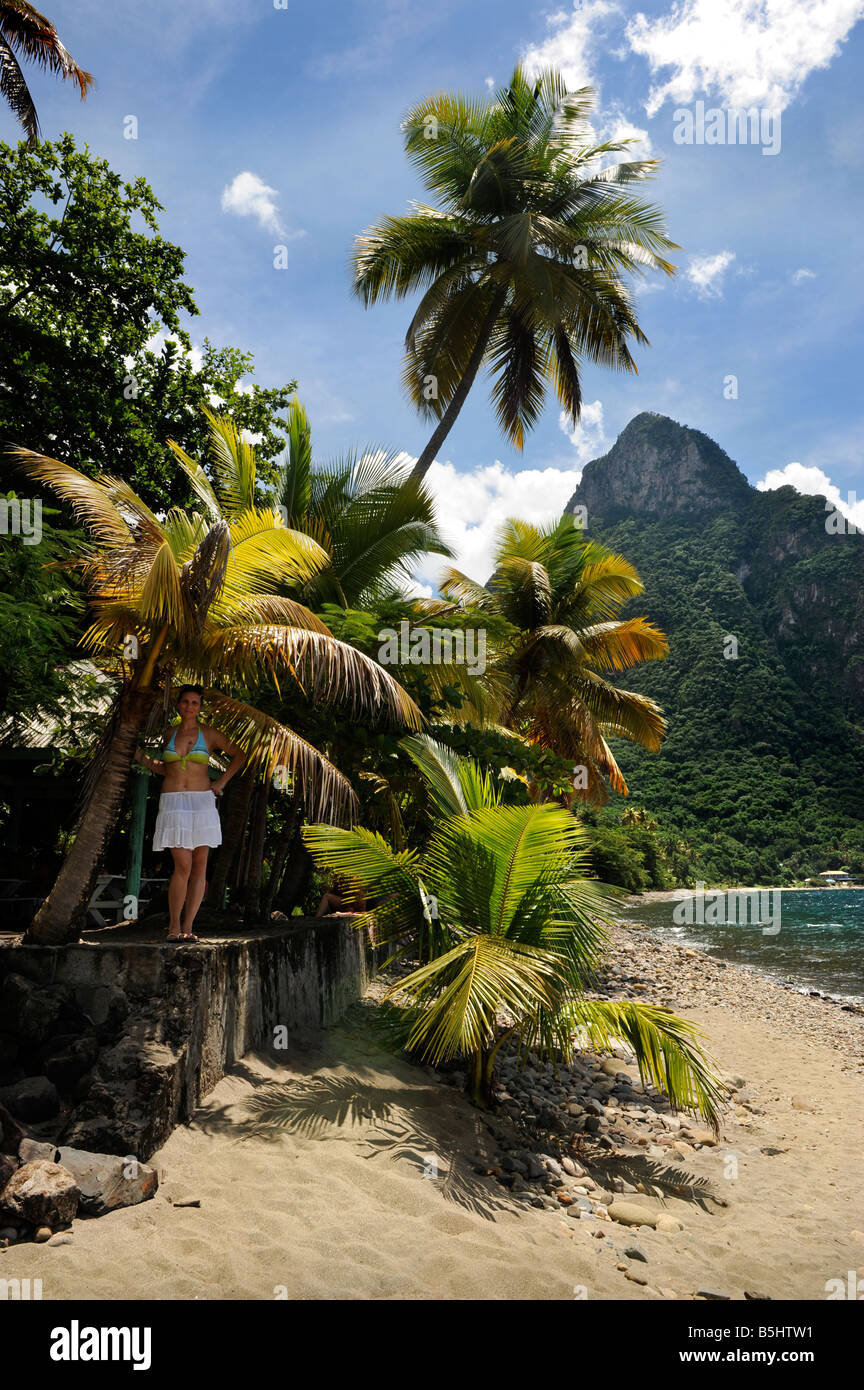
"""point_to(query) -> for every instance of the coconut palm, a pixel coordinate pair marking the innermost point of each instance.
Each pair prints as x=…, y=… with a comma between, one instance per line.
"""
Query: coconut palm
x=523, y=264
x=562, y=593
x=508, y=930
x=25, y=30
x=196, y=599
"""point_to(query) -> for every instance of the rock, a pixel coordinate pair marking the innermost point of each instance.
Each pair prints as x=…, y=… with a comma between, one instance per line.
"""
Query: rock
x=513, y=1165
x=632, y=1214
x=187, y=1202
x=61, y=1238
x=8, y=1166
x=756, y=1297
x=33, y=1099
x=66, y=1065
x=43, y=1235
x=634, y=1277
x=701, y=1136
x=802, y=1103
x=668, y=1224
x=31, y=1149
x=635, y=1252
x=43, y=1193
x=714, y=1294
x=683, y=1150
x=572, y=1168
x=565, y=1199
x=29, y=1013
x=107, y=1182
x=11, y=1133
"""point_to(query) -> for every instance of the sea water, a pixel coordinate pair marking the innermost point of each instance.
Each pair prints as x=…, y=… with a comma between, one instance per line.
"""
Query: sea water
x=820, y=944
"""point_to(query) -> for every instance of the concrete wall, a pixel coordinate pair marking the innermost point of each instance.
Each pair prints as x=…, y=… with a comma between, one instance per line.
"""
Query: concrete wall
x=170, y=1021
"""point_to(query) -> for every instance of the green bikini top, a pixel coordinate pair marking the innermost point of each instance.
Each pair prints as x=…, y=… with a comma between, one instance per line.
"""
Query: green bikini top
x=198, y=754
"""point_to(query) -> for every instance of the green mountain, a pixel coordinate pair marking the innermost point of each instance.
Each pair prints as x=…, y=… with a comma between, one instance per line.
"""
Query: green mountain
x=762, y=597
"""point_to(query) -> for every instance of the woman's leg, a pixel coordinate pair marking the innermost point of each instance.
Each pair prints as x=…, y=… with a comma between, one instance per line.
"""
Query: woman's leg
x=197, y=885
x=177, y=888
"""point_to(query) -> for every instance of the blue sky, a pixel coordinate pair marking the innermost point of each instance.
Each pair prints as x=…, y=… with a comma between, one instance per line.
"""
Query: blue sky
x=305, y=101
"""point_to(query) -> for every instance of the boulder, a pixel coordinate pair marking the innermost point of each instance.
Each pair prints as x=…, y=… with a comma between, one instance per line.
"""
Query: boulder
x=31, y=1149
x=29, y=1012
x=106, y=1181
x=8, y=1166
x=43, y=1193
x=67, y=1064
x=33, y=1099
x=11, y=1133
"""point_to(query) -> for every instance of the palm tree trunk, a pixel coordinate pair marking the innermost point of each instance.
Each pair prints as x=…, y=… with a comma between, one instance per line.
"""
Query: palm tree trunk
x=280, y=857
x=233, y=826
x=61, y=916
x=252, y=898
x=448, y=419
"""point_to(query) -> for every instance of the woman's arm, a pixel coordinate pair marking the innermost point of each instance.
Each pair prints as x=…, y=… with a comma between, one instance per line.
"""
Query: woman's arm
x=214, y=740
x=152, y=764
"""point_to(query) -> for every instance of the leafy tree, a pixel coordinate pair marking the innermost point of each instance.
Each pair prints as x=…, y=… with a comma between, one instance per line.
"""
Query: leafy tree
x=96, y=367
x=523, y=264
x=504, y=921
x=24, y=30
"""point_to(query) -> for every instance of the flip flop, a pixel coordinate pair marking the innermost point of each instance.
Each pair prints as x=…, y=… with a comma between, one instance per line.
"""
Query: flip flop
x=188, y=936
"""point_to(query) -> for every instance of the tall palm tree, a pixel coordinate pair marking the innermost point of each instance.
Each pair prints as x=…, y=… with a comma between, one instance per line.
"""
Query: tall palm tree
x=523, y=264
x=372, y=521
x=24, y=29
x=562, y=593
x=505, y=922
x=194, y=599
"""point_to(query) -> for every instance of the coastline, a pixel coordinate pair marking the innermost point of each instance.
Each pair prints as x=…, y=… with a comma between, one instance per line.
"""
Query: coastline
x=383, y=1182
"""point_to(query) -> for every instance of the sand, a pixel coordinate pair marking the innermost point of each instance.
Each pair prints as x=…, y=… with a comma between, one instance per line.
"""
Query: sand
x=340, y=1172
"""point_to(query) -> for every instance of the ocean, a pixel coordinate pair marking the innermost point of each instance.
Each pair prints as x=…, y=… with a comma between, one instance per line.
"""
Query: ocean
x=819, y=945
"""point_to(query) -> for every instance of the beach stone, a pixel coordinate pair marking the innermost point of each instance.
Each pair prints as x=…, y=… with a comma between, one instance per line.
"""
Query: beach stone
x=802, y=1103
x=635, y=1252
x=714, y=1294
x=634, y=1277
x=61, y=1238
x=8, y=1166
x=33, y=1099
x=43, y=1193
x=683, y=1150
x=632, y=1214
x=187, y=1202
x=30, y=1149
x=668, y=1224
x=107, y=1182
x=572, y=1168
x=43, y=1235
x=701, y=1136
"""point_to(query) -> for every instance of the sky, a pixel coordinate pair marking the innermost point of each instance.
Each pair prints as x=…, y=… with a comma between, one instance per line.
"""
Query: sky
x=265, y=124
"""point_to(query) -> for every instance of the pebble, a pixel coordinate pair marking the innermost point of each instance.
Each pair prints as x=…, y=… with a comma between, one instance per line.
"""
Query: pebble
x=632, y=1214
x=668, y=1224
x=43, y=1234
x=187, y=1202
x=635, y=1252
x=61, y=1238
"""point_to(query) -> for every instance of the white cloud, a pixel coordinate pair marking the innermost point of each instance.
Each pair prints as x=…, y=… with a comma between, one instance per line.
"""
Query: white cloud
x=249, y=196
x=571, y=45
x=799, y=276
x=705, y=273
x=588, y=437
x=749, y=52
x=252, y=437
x=470, y=508
x=814, y=482
x=490, y=83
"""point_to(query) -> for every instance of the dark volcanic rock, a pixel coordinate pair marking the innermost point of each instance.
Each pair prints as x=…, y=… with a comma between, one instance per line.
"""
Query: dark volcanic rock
x=33, y=1099
x=29, y=1012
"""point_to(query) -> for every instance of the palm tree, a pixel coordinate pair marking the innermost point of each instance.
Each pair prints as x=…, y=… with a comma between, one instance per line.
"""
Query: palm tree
x=35, y=38
x=373, y=522
x=522, y=265
x=506, y=925
x=562, y=593
x=184, y=598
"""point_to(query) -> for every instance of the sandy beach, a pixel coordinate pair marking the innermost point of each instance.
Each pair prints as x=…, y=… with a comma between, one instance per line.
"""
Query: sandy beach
x=338, y=1171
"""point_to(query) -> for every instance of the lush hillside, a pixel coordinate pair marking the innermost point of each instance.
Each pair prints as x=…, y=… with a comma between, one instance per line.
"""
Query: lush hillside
x=762, y=770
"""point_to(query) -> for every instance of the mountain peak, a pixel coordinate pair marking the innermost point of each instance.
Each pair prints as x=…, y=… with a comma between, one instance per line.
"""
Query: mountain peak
x=658, y=467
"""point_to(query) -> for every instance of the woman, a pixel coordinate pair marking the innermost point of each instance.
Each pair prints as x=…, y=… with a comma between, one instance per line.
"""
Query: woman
x=188, y=822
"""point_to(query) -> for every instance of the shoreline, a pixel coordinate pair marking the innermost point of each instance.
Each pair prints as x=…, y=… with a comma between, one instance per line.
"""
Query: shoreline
x=337, y=1170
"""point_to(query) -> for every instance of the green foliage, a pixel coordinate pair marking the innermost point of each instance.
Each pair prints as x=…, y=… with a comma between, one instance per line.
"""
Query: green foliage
x=87, y=286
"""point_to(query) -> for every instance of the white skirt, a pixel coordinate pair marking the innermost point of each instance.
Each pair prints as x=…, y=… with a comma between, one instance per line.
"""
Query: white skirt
x=187, y=820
